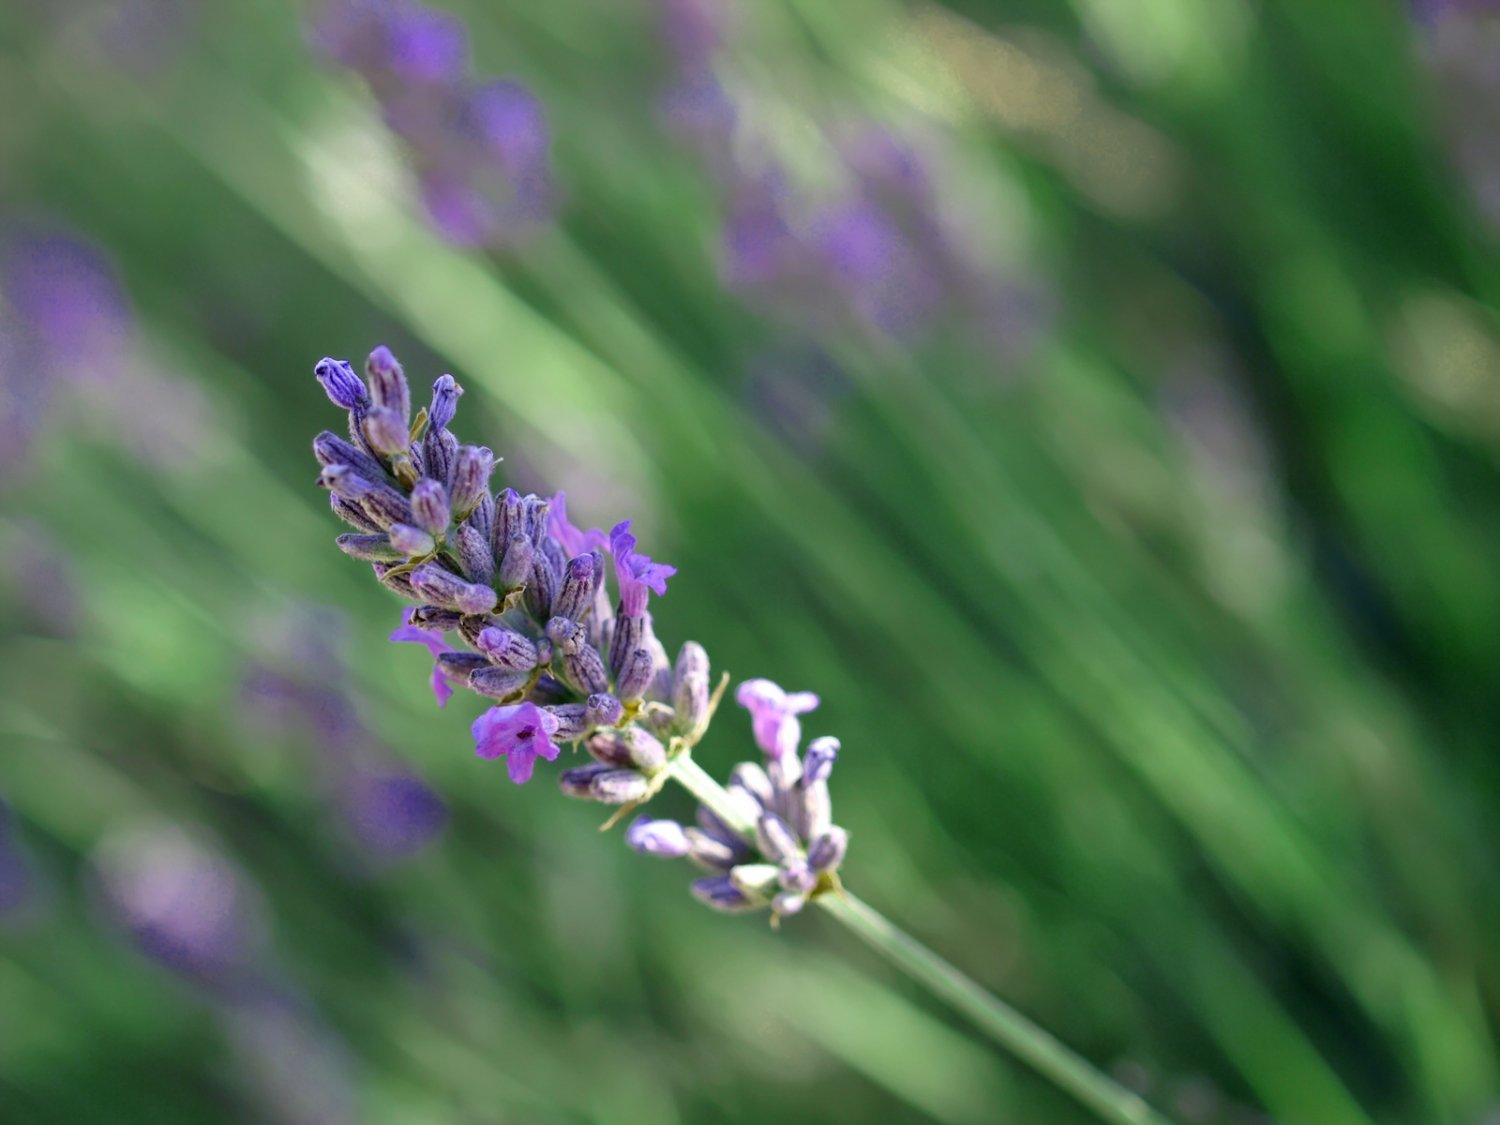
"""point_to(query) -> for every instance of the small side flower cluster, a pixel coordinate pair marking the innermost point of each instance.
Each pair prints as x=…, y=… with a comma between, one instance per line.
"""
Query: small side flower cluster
x=525, y=593
x=482, y=149
x=790, y=850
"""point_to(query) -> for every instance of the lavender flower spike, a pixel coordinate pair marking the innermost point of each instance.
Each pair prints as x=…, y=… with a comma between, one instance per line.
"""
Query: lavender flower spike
x=774, y=714
x=520, y=733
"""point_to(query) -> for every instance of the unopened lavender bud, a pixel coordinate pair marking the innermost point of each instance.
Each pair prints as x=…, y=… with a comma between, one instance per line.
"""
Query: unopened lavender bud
x=386, y=432
x=542, y=587
x=412, y=542
x=690, y=696
x=352, y=514
x=567, y=635
x=576, y=596
x=437, y=620
x=750, y=776
x=344, y=482
x=719, y=893
x=449, y=590
x=784, y=773
x=471, y=478
x=388, y=388
x=619, y=787
x=663, y=838
x=399, y=582
x=579, y=781
x=644, y=749
x=709, y=821
x=712, y=853
x=609, y=747
x=754, y=880
x=515, y=564
x=534, y=517
x=827, y=851
x=811, y=809
x=818, y=763
x=636, y=676
x=788, y=902
x=330, y=449
x=439, y=454
x=340, y=382
x=572, y=721
x=444, y=406
x=630, y=633
x=796, y=874
x=507, y=517
x=605, y=710
x=474, y=555
x=775, y=839
x=497, y=683
x=370, y=548
x=505, y=648
x=692, y=660
x=386, y=506
x=482, y=518
x=429, y=504
x=459, y=666
x=585, y=668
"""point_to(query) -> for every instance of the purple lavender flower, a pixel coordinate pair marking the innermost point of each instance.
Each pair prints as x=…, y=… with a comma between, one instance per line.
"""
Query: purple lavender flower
x=635, y=573
x=520, y=733
x=393, y=814
x=434, y=644
x=574, y=541
x=344, y=388
x=482, y=150
x=774, y=715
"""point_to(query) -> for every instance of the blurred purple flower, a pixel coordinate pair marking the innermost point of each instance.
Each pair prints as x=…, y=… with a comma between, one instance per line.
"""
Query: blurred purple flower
x=520, y=733
x=184, y=904
x=482, y=151
x=393, y=814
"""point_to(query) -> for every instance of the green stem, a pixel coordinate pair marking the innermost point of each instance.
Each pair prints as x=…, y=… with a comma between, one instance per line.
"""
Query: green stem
x=1025, y=1040
x=997, y=1019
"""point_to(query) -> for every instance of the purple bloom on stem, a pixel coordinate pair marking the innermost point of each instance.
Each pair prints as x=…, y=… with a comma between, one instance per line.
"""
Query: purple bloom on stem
x=520, y=733
x=435, y=645
x=635, y=573
x=575, y=541
x=344, y=387
x=773, y=713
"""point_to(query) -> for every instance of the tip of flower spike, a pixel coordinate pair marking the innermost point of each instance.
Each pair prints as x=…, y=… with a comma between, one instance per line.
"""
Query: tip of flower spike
x=342, y=385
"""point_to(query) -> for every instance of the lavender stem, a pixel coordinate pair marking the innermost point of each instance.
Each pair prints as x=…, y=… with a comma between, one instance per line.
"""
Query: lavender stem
x=1025, y=1040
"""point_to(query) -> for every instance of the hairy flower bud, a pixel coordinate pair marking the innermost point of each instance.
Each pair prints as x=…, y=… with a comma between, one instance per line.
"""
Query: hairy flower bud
x=429, y=504
x=749, y=776
x=436, y=620
x=811, y=809
x=636, y=676
x=471, y=478
x=412, y=542
x=505, y=648
x=711, y=853
x=818, y=762
x=439, y=455
x=330, y=449
x=385, y=431
x=542, y=587
x=719, y=893
x=663, y=838
x=774, y=838
x=341, y=384
x=458, y=666
x=388, y=387
x=352, y=514
x=497, y=683
x=605, y=710
x=796, y=874
x=827, y=851
x=516, y=563
x=579, y=781
x=447, y=589
x=474, y=555
x=619, y=787
x=585, y=669
x=576, y=596
x=370, y=548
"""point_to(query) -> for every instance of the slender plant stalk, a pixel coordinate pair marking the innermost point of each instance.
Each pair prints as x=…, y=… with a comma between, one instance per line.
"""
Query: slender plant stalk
x=997, y=1019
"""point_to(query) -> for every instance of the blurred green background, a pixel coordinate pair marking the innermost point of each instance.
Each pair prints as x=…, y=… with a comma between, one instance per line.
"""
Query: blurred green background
x=1143, y=550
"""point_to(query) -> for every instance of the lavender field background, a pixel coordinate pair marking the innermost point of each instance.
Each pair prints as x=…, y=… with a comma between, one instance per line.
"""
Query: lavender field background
x=1098, y=405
